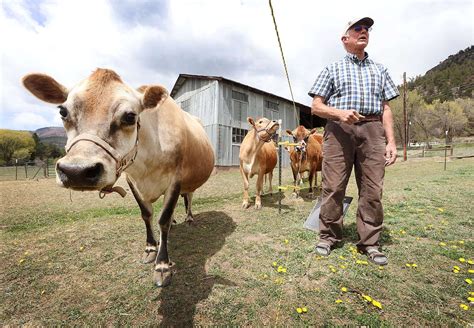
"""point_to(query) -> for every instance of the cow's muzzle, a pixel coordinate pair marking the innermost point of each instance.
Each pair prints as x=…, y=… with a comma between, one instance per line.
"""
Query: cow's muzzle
x=79, y=176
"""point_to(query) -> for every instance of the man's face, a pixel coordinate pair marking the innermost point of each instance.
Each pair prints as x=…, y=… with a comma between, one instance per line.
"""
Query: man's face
x=357, y=37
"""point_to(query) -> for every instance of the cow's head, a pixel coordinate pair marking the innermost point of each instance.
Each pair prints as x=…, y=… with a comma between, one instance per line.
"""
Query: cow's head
x=300, y=136
x=101, y=118
x=265, y=129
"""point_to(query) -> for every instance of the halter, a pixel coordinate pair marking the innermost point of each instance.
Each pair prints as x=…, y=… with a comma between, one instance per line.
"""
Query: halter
x=266, y=130
x=123, y=162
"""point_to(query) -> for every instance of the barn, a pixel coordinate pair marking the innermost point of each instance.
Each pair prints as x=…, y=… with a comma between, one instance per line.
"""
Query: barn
x=223, y=106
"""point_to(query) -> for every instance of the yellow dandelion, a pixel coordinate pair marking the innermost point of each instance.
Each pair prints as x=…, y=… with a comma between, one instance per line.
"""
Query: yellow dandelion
x=283, y=270
x=403, y=232
x=456, y=268
x=464, y=307
x=342, y=257
x=367, y=298
x=456, y=271
x=441, y=209
x=470, y=271
x=338, y=301
x=471, y=293
x=381, y=268
x=362, y=262
x=377, y=304
x=286, y=241
x=21, y=261
x=469, y=281
x=470, y=299
x=81, y=248
x=454, y=246
x=442, y=244
x=26, y=253
x=470, y=262
x=461, y=242
x=462, y=259
x=299, y=310
x=274, y=264
x=304, y=309
x=333, y=270
x=344, y=289
x=342, y=266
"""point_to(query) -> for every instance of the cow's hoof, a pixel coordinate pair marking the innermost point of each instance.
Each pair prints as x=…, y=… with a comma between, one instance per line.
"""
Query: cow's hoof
x=189, y=220
x=245, y=205
x=163, y=273
x=149, y=255
x=258, y=206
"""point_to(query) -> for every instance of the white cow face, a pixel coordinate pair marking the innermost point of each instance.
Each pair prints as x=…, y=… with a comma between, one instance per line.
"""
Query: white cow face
x=101, y=118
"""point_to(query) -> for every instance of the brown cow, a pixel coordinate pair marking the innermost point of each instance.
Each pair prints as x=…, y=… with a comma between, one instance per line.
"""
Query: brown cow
x=113, y=128
x=305, y=157
x=258, y=156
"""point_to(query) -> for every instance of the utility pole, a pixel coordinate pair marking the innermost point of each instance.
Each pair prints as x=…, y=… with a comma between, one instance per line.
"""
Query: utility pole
x=405, y=126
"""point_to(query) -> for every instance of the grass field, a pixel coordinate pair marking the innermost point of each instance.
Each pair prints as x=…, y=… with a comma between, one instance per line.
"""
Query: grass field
x=69, y=258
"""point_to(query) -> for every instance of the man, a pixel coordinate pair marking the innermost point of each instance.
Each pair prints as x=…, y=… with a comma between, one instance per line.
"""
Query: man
x=353, y=95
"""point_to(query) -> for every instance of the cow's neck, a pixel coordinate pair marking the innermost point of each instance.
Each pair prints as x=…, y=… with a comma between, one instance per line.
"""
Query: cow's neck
x=253, y=146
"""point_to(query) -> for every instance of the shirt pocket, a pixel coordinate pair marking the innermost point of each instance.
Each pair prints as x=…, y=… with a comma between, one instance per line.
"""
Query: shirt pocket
x=375, y=84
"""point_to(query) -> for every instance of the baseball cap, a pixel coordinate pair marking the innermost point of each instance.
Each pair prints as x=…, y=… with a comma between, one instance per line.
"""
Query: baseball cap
x=367, y=21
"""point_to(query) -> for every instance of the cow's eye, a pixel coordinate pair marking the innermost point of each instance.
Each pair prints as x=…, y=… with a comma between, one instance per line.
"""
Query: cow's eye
x=129, y=118
x=62, y=111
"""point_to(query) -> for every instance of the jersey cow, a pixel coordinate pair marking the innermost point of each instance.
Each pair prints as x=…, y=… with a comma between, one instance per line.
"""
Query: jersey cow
x=307, y=156
x=258, y=156
x=113, y=128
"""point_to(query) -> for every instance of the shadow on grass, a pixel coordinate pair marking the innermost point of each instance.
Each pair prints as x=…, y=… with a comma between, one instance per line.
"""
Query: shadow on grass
x=349, y=234
x=191, y=247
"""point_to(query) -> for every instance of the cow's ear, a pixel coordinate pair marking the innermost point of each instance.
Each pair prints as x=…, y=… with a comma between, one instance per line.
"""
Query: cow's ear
x=154, y=96
x=251, y=121
x=289, y=132
x=314, y=130
x=46, y=88
x=142, y=88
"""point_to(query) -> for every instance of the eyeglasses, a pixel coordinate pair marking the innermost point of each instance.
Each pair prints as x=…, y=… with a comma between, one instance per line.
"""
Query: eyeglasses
x=359, y=28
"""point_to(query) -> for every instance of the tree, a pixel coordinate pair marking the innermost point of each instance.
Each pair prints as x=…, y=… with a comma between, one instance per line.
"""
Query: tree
x=14, y=142
x=449, y=116
x=467, y=104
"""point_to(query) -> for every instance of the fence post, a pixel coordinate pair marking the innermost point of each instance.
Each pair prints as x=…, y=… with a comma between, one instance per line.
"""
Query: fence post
x=26, y=170
x=16, y=169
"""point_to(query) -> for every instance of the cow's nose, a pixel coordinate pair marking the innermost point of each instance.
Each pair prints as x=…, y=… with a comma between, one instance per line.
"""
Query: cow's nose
x=80, y=175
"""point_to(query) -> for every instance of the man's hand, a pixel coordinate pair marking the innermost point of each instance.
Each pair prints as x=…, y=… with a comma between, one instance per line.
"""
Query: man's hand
x=349, y=116
x=390, y=154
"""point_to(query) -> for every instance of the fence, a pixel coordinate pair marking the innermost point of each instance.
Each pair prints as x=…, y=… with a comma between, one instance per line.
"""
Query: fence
x=28, y=170
x=452, y=150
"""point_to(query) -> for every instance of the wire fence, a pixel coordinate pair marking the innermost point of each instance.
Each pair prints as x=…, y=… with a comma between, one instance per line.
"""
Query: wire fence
x=29, y=170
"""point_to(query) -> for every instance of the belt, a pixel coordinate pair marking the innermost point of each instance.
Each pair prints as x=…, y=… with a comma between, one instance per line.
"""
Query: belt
x=369, y=118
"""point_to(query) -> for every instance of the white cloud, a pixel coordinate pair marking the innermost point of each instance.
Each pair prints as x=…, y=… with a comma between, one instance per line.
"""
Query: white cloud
x=151, y=41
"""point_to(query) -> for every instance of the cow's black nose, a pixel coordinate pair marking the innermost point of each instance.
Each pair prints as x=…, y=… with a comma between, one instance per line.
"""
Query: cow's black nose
x=79, y=175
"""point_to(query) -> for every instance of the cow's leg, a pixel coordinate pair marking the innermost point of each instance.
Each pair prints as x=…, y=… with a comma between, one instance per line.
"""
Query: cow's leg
x=311, y=176
x=146, y=208
x=295, y=181
x=163, y=273
x=258, y=199
x=188, y=199
x=270, y=187
x=245, y=178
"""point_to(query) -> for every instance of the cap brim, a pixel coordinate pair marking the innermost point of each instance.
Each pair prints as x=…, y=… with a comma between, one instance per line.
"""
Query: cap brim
x=367, y=21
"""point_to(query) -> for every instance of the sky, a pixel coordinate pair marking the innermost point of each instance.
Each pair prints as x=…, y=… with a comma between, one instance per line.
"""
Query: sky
x=153, y=41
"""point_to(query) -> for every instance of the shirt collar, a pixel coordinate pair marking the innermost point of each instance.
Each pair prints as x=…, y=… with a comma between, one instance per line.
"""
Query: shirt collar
x=356, y=60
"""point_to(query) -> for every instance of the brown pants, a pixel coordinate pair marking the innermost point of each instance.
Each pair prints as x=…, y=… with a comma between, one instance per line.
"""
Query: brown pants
x=361, y=146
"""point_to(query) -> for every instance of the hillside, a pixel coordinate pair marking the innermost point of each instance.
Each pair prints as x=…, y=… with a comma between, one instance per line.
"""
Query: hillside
x=450, y=79
x=52, y=135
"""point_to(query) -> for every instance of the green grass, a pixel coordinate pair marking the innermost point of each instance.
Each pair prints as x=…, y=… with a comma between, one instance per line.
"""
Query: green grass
x=73, y=259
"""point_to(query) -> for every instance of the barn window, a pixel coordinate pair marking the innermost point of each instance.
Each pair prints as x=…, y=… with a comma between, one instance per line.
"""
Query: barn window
x=239, y=111
x=240, y=96
x=271, y=105
x=186, y=104
x=238, y=135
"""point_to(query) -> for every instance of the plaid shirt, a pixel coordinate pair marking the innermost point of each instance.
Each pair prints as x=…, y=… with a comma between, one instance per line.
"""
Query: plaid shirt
x=356, y=84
